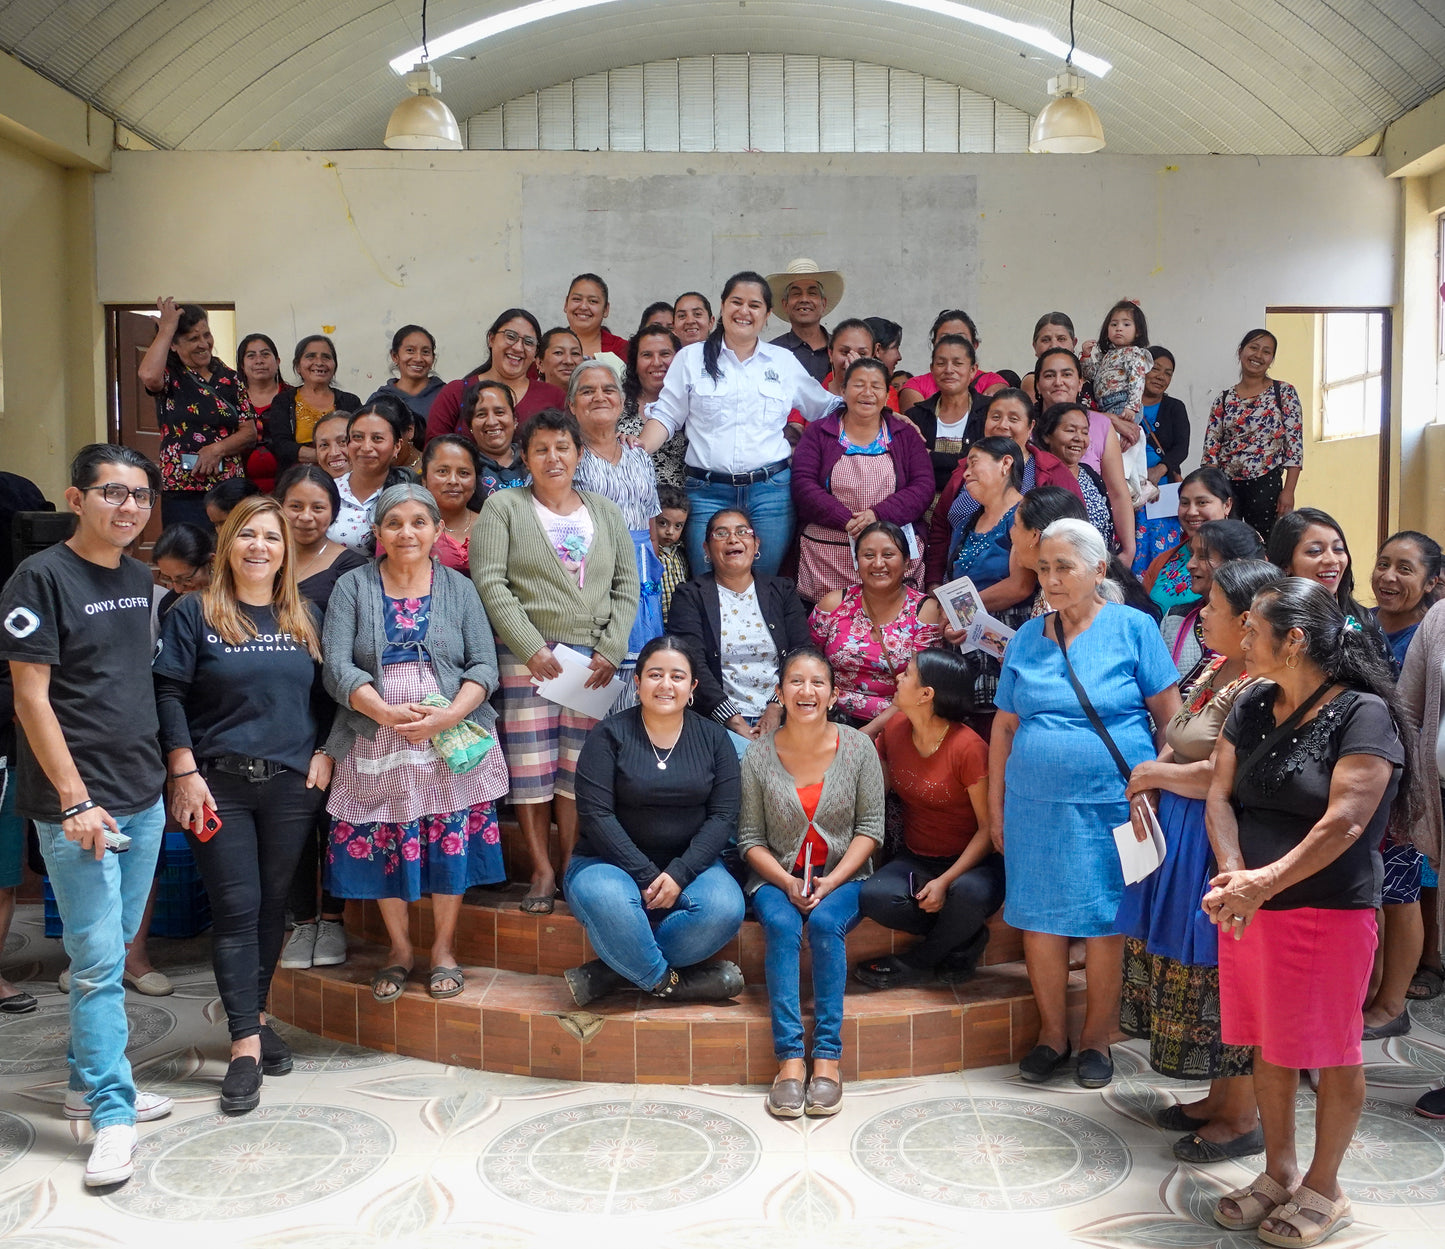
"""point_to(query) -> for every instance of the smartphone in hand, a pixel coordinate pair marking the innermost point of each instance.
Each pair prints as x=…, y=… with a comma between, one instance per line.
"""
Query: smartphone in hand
x=208, y=825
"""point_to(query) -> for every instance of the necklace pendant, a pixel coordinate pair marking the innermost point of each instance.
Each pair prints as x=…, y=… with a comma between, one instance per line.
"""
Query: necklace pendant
x=661, y=766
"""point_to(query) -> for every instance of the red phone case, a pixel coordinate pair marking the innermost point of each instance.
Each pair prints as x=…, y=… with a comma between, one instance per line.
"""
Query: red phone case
x=210, y=825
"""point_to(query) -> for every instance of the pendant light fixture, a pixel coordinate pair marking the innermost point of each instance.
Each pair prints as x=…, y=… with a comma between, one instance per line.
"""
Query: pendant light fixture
x=422, y=121
x=1068, y=123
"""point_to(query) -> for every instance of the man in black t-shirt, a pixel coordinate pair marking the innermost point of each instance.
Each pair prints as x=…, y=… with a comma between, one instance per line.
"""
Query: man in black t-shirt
x=75, y=627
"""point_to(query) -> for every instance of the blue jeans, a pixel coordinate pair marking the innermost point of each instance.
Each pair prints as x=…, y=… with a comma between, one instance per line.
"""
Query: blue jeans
x=769, y=503
x=828, y=926
x=101, y=902
x=642, y=944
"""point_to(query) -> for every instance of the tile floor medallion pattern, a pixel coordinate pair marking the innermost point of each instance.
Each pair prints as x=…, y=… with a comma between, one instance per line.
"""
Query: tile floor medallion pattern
x=225, y=1167
x=363, y=1150
x=993, y=1153
x=620, y=1157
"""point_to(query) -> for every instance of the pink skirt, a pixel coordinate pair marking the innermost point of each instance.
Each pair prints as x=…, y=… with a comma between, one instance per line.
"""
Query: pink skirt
x=1294, y=984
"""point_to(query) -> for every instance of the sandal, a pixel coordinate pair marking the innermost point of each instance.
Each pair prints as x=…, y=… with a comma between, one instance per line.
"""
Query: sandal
x=1337, y=1214
x=1257, y=1200
x=538, y=904
x=1428, y=983
x=439, y=975
x=395, y=975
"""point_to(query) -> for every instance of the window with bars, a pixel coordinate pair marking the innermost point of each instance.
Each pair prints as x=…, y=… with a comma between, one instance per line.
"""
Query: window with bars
x=744, y=102
x=1351, y=365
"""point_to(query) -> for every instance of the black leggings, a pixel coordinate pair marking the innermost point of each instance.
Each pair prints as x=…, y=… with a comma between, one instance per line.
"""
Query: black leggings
x=1255, y=501
x=247, y=869
x=972, y=898
x=302, y=901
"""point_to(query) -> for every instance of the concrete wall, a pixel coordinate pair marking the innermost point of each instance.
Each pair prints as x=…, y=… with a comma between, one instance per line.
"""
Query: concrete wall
x=50, y=321
x=367, y=241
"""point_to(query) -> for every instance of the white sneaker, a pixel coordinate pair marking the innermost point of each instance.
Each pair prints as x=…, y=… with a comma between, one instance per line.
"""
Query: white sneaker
x=112, y=1156
x=296, y=955
x=62, y=981
x=148, y=1106
x=330, y=944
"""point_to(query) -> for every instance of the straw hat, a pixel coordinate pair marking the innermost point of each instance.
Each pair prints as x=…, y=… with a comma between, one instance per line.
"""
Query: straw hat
x=829, y=279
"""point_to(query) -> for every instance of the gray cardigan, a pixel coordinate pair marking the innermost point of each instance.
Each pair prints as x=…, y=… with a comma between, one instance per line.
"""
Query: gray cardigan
x=851, y=803
x=458, y=642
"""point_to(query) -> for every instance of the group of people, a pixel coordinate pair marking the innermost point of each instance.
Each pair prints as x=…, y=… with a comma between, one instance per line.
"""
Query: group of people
x=731, y=544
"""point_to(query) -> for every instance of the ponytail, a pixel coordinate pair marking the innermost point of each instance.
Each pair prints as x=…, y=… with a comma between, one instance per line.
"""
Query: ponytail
x=712, y=344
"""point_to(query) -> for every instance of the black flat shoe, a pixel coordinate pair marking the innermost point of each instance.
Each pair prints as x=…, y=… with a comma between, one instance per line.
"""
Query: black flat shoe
x=275, y=1053
x=1040, y=1063
x=1173, y=1119
x=962, y=964
x=1094, y=1069
x=241, y=1089
x=891, y=972
x=1194, y=1148
x=593, y=980
x=1397, y=1026
x=715, y=981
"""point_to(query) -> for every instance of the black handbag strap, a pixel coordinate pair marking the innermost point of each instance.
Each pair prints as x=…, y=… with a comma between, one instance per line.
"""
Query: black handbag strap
x=1094, y=719
x=1273, y=739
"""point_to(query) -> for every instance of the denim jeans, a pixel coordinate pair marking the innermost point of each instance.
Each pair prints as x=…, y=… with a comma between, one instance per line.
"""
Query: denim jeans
x=101, y=902
x=828, y=926
x=642, y=944
x=769, y=503
x=247, y=868
x=970, y=900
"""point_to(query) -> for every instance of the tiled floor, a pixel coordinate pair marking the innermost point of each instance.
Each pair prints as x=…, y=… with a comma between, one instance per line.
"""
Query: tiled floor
x=356, y=1149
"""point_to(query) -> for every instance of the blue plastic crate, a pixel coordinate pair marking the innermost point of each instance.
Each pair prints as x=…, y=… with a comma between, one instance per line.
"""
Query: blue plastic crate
x=53, y=926
x=182, y=907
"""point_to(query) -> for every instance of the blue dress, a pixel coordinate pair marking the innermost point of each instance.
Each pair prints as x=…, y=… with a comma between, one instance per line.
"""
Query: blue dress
x=1063, y=794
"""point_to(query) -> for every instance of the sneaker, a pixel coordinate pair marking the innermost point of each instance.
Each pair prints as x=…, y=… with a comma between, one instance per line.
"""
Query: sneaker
x=148, y=1106
x=112, y=1157
x=300, y=949
x=1432, y=1105
x=330, y=944
x=62, y=981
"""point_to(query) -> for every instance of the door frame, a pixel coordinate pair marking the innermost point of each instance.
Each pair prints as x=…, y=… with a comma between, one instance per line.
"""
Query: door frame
x=1387, y=380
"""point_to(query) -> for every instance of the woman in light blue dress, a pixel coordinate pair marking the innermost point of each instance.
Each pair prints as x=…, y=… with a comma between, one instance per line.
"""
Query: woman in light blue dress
x=1057, y=793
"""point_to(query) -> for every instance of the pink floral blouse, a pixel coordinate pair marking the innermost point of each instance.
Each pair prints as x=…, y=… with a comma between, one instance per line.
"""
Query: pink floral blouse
x=868, y=661
x=1249, y=438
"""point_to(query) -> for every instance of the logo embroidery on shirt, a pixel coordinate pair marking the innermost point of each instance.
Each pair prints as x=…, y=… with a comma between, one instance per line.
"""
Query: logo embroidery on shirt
x=21, y=622
x=771, y=376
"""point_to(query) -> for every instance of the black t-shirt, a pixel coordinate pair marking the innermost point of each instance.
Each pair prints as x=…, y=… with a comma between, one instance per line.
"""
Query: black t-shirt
x=1285, y=793
x=317, y=587
x=255, y=699
x=92, y=626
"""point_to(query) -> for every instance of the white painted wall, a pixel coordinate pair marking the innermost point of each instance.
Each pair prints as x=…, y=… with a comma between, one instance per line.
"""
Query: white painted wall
x=367, y=241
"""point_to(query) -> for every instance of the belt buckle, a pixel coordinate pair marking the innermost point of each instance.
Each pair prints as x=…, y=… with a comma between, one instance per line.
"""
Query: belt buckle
x=256, y=771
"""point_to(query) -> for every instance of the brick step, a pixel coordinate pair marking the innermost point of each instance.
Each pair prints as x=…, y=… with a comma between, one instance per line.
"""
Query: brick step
x=527, y=1024
x=492, y=932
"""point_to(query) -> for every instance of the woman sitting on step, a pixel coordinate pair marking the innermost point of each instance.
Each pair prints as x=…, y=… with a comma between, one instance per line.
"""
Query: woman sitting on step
x=949, y=878
x=812, y=815
x=657, y=800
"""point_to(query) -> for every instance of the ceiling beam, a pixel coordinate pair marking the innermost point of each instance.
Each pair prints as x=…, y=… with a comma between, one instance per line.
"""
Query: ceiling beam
x=49, y=121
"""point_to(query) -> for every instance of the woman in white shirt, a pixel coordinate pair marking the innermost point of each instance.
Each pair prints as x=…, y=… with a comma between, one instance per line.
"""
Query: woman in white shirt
x=733, y=394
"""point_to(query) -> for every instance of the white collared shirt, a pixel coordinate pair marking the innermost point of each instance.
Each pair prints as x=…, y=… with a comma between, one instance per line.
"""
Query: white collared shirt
x=735, y=424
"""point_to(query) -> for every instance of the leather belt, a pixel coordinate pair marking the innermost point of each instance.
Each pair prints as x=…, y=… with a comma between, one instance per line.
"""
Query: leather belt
x=254, y=770
x=740, y=479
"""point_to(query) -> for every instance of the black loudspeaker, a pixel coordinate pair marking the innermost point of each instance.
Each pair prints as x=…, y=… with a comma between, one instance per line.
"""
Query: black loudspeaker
x=32, y=532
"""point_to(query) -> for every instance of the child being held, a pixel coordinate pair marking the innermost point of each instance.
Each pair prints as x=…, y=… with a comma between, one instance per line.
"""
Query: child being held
x=1116, y=364
x=666, y=530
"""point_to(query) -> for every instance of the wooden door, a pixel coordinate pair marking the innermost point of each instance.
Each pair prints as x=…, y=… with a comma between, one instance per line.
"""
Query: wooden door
x=132, y=411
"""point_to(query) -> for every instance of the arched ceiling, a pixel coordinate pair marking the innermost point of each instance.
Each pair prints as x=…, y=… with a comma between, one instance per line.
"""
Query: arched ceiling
x=1234, y=76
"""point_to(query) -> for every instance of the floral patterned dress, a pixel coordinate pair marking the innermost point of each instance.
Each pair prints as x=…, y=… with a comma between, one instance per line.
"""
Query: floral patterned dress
x=868, y=659
x=194, y=412
x=403, y=824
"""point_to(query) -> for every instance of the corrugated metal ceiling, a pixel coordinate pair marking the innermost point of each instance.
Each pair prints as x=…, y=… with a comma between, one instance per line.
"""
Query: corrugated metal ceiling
x=1237, y=76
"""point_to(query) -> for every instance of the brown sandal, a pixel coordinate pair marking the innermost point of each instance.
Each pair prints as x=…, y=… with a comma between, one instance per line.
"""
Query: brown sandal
x=1257, y=1200
x=1338, y=1214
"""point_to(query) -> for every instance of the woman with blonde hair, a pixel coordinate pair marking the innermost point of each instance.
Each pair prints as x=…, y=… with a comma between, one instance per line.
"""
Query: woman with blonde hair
x=237, y=671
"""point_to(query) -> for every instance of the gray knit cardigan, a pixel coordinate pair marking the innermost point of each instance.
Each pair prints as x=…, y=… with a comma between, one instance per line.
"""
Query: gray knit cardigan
x=458, y=642
x=851, y=803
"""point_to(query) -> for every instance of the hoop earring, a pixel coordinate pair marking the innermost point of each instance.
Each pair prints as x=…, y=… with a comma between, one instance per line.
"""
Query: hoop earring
x=1292, y=662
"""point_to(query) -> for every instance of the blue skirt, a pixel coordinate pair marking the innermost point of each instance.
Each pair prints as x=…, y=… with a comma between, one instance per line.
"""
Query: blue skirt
x=1163, y=909
x=1061, y=867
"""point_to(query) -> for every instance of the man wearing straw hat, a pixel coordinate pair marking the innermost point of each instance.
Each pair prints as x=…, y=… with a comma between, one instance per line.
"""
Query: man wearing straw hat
x=804, y=293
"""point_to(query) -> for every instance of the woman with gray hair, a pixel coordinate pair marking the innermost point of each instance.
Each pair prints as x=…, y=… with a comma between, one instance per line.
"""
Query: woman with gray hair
x=626, y=475
x=1075, y=697
x=408, y=655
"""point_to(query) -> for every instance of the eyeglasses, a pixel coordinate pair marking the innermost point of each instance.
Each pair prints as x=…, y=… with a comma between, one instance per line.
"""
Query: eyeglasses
x=513, y=338
x=180, y=584
x=722, y=531
x=116, y=494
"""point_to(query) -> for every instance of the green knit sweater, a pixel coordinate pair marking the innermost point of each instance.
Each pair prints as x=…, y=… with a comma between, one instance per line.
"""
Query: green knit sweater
x=532, y=600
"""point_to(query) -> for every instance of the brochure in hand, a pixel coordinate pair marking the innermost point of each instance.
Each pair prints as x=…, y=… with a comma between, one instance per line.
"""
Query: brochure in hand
x=964, y=608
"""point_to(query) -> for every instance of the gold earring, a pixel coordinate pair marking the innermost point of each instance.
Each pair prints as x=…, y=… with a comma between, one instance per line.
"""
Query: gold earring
x=1292, y=662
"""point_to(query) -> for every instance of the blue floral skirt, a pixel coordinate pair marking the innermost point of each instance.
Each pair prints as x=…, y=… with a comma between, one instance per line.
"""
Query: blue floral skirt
x=437, y=854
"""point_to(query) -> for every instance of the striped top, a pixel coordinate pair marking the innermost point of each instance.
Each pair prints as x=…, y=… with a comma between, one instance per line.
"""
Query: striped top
x=631, y=483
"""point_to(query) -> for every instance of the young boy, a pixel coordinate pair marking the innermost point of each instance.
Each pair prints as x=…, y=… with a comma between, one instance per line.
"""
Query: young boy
x=666, y=528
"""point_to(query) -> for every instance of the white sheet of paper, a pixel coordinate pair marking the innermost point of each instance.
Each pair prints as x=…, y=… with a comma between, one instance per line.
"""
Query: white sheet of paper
x=1139, y=858
x=569, y=690
x=1167, y=504
x=960, y=602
